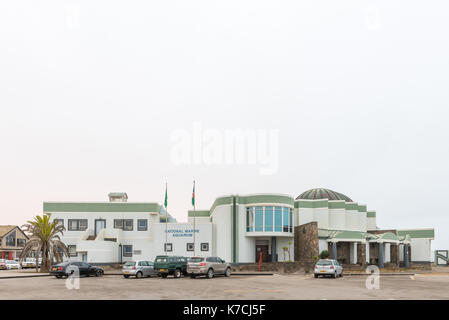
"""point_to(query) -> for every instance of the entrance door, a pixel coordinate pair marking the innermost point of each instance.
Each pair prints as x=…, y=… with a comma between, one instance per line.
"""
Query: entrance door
x=264, y=249
x=99, y=225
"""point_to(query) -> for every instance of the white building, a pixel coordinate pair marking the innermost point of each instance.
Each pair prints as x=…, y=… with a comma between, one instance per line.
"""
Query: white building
x=239, y=229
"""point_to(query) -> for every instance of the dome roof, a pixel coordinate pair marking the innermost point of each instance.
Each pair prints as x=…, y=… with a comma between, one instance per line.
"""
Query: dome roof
x=321, y=193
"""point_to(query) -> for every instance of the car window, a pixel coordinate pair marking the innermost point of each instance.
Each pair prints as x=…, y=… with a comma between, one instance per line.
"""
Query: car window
x=130, y=263
x=324, y=263
x=171, y=259
x=211, y=259
x=196, y=259
x=161, y=259
x=150, y=263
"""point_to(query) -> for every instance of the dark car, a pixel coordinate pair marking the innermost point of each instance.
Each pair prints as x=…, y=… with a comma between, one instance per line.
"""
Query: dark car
x=66, y=268
x=170, y=265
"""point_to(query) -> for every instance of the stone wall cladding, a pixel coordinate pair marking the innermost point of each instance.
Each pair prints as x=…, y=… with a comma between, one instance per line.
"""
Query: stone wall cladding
x=361, y=254
x=282, y=267
x=306, y=241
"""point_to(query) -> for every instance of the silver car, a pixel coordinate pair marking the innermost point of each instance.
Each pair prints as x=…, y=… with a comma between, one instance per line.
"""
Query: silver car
x=328, y=267
x=209, y=267
x=138, y=269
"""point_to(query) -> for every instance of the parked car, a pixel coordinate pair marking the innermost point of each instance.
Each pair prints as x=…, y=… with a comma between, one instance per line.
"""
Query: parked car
x=170, y=265
x=29, y=263
x=210, y=266
x=3, y=264
x=331, y=267
x=12, y=264
x=64, y=269
x=139, y=269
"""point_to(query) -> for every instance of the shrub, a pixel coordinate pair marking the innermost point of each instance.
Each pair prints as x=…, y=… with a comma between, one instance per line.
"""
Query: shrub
x=324, y=254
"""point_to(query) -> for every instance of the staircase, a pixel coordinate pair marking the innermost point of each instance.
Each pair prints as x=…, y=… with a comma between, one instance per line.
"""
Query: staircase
x=91, y=238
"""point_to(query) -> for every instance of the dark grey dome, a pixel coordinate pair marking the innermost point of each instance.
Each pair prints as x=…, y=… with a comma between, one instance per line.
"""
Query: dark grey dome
x=321, y=193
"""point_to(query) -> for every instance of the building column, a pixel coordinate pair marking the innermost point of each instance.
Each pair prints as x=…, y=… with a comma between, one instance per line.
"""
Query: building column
x=361, y=254
x=381, y=255
x=394, y=252
x=353, y=252
x=367, y=252
x=406, y=257
x=334, y=250
x=273, y=249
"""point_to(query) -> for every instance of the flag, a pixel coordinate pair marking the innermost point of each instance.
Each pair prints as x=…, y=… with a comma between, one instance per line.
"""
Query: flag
x=165, y=202
x=193, y=194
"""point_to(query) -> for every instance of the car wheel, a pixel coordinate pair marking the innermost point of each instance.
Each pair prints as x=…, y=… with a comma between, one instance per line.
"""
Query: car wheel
x=316, y=276
x=139, y=275
x=164, y=275
x=210, y=273
x=58, y=276
x=192, y=276
x=341, y=275
x=177, y=273
x=334, y=275
x=126, y=276
x=228, y=272
x=99, y=273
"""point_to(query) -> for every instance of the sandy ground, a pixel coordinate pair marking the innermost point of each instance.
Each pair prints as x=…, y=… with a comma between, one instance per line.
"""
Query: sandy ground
x=297, y=286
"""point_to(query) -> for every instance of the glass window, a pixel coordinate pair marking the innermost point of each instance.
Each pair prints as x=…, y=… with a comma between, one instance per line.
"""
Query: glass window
x=196, y=259
x=128, y=225
x=118, y=224
x=269, y=219
x=285, y=220
x=59, y=222
x=130, y=264
x=127, y=250
x=168, y=247
x=77, y=224
x=21, y=242
x=11, y=239
x=72, y=250
x=205, y=246
x=259, y=219
x=291, y=220
x=278, y=219
x=142, y=225
x=249, y=219
x=190, y=246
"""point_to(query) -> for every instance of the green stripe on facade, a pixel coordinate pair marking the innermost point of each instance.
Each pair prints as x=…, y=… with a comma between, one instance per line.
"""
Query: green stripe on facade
x=100, y=207
x=351, y=206
x=371, y=214
x=336, y=204
x=199, y=213
x=418, y=233
x=312, y=204
x=221, y=201
x=362, y=208
x=265, y=198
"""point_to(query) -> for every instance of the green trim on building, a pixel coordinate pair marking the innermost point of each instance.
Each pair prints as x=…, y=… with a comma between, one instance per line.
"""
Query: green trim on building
x=351, y=206
x=337, y=204
x=199, y=213
x=418, y=233
x=100, y=207
x=312, y=204
x=388, y=236
x=265, y=198
x=371, y=214
x=362, y=208
x=221, y=201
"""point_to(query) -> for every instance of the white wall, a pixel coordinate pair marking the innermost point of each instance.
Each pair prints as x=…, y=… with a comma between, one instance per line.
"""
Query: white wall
x=337, y=220
x=362, y=221
x=305, y=215
x=420, y=248
x=371, y=223
x=321, y=216
x=222, y=219
x=352, y=222
x=322, y=245
x=246, y=245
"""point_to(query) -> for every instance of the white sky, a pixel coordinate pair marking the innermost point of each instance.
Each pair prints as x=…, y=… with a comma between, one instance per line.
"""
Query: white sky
x=90, y=92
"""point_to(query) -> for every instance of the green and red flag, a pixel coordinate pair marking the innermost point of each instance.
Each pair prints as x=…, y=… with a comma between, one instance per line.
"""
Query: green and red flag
x=193, y=194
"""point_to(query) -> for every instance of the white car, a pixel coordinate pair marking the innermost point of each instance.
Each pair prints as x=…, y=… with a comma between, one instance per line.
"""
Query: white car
x=29, y=263
x=11, y=264
x=328, y=267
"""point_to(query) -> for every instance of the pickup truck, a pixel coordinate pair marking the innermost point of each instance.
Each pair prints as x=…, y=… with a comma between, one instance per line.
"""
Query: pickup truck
x=170, y=265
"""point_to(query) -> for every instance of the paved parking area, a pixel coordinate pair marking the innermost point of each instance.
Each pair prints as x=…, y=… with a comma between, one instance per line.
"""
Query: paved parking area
x=297, y=286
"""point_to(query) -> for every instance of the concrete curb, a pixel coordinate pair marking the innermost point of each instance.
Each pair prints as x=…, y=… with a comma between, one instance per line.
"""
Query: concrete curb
x=23, y=276
x=232, y=274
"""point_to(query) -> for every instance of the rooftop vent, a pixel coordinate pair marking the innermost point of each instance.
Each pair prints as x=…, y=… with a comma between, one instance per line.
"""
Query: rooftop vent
x=118, y=197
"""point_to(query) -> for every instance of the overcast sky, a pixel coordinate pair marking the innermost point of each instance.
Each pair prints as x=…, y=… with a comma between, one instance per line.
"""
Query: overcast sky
x=91, y=93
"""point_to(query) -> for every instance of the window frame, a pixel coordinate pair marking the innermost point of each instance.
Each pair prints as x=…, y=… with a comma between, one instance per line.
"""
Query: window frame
x=75, y=254
x=190, y=246
x=168, y=245
x=205, y=244
x=78, y=224
x=125, y=253
x=144, y=228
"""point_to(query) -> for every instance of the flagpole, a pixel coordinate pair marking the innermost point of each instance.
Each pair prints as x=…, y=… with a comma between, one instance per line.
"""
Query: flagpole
x=194, y=220
x=166, y=218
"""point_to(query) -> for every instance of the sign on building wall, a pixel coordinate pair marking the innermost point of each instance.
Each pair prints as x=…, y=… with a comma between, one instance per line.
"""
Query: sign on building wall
x=182, y=232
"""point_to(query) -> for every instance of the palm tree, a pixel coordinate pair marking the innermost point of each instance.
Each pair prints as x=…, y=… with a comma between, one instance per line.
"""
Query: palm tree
x=45, y=239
